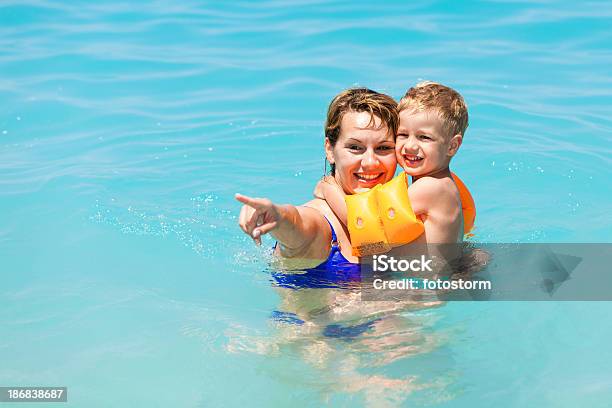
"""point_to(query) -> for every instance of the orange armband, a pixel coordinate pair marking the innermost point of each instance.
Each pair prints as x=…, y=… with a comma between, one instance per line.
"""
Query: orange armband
x=468, y=207
x=399, y=220
x=365, y=228
x=382, y=218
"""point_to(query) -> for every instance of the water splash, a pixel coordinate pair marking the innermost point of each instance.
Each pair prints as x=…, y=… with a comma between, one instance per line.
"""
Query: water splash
x=203, y=226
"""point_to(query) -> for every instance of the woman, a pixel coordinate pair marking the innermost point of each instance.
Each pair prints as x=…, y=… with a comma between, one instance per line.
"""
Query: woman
x=359, y=144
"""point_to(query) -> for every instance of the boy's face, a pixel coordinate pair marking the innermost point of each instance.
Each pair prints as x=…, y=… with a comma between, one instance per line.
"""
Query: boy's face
x=423, y=146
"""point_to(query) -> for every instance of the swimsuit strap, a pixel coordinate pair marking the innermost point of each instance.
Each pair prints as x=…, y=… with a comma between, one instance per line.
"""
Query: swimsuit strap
x=334, y=238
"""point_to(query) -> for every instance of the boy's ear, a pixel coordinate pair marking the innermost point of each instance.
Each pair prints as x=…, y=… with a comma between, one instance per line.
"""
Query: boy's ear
x=454, y=144
x=329, y=151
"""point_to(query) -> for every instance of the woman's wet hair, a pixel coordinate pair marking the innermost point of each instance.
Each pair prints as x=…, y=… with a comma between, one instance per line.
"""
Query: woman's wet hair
x=377, y=104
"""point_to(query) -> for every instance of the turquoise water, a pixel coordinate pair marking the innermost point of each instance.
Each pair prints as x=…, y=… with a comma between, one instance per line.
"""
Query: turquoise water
x=127, y=128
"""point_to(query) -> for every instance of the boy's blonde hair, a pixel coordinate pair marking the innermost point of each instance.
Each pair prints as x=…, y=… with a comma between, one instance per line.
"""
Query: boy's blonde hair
x=447, y=102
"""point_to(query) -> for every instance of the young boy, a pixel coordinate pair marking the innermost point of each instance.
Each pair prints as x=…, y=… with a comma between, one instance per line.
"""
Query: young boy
x=433, y=120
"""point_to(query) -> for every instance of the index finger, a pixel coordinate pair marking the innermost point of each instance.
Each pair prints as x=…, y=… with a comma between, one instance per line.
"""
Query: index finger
x=256, y=203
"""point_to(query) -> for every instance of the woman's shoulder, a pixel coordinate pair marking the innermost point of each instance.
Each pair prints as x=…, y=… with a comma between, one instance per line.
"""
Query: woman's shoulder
x=341, y=233
x=323, y=209
x=319, y=205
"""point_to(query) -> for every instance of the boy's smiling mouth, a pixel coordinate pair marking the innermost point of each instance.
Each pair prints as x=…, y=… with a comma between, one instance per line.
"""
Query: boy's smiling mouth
x=412, y=159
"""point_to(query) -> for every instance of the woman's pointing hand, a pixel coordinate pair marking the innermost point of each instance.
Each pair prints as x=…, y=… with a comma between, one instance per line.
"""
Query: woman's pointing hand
x=258, y=216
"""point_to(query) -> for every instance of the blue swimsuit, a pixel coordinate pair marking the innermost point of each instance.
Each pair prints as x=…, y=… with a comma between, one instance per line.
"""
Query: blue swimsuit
x=335, y=272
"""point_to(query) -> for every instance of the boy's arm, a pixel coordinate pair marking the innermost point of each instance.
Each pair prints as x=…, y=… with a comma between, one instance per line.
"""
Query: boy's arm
x=432, y=204
x=331, y=192
x=421, y=197
x=424, y=196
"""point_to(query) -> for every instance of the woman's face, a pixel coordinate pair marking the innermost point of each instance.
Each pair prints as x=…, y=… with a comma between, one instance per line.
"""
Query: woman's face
x=364, y=154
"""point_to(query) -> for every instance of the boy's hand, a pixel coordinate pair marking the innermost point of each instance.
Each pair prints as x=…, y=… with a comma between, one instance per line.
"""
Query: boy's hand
x=319, y=190
x=258, y=216
x=329, y=190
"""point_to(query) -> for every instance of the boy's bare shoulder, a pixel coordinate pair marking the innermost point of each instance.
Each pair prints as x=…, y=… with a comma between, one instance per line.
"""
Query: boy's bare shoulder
x=431, y=191
x=433, y=186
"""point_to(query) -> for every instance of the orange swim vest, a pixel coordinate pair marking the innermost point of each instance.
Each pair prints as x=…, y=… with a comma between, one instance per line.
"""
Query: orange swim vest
x=382, y=218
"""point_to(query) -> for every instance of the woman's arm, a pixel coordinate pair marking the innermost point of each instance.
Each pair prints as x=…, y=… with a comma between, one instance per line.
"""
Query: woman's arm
x=301, y=231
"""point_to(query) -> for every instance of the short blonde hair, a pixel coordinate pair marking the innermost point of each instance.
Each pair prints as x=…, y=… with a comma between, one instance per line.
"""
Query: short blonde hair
x=447, y=102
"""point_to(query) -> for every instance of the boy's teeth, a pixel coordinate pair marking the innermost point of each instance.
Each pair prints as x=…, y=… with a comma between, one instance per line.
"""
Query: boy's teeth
x=368, y=176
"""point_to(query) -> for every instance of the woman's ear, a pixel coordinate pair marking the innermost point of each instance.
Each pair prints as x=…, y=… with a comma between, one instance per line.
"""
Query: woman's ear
x=454, y=144
x=329, y=152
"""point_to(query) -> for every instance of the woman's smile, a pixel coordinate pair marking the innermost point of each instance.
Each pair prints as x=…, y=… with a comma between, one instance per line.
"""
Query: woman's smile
x=369, y=180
